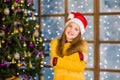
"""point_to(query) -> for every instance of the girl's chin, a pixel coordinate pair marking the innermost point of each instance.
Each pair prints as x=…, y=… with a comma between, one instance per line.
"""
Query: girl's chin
x=70, y=36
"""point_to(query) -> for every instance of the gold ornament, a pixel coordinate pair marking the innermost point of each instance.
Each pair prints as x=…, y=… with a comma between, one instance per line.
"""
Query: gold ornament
x=16, y=30
x=22, y=1
x=9, y=56
x=13, y=61
x=40, y=39
x=12, y=7
x=21, y=29
x=3, y=41
x=30, y=64
x=33, y=16
x=37, y=26
x=42, y=62
x=28, y=54
x=3, y=19
x=25, y=11
x=18, y=64
x=33, y=38
x=2, y=33
x=15, y=4
x=25, y=54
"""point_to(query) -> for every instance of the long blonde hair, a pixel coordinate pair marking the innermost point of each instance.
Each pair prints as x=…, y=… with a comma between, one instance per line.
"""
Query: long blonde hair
x=75, y=44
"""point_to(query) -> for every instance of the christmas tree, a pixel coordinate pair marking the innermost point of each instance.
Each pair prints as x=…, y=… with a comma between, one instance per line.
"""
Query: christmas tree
x=21, y=45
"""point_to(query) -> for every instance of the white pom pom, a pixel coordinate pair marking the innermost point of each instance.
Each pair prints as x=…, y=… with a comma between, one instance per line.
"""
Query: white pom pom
x=70, y=16
x=17, y=56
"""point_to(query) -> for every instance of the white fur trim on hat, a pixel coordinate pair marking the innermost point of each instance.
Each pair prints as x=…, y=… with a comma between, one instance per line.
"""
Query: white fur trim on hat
x=79, y=22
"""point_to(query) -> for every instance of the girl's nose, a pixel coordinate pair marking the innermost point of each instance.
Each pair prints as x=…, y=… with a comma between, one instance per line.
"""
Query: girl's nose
x=71, y=29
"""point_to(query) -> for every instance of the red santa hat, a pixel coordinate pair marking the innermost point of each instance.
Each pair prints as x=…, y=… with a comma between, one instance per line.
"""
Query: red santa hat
x=79, y=19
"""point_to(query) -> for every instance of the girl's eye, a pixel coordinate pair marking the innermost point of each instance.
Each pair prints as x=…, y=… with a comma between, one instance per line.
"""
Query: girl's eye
x=76, y=29
x=69, y=26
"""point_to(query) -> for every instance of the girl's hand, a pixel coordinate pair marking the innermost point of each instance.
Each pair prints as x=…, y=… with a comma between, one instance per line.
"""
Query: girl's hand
x=51, y=60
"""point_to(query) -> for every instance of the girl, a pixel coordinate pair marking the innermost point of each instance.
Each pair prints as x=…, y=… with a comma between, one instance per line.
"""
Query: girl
x=69, y=53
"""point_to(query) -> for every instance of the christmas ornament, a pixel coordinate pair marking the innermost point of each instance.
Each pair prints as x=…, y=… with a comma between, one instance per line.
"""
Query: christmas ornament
x=6, y=11
x=30, y=3
x=21, y=1
x=21, y=29
x=3, y=19
x=22, y=58
x=15, y=4
x=12, y=7
x=17, y=23
x=7, y=0
x=25, y=11
x=33, y=38
x=3, y=41
x=29, y=54
x=37, y=51
x=21, y=38
x=40, y=39
x=18, y=64
x=13, y=61
x=25, y=54
x=7, y=64
x=36, y=33
x=31, y=45
x=37, y=26
x=15, y=30
x=17, y=1
x=24, y=44
x=4, y=28
x=2, y=33
x=30, y=64
x=2, y=64
x=9, y=56
x=17, y=56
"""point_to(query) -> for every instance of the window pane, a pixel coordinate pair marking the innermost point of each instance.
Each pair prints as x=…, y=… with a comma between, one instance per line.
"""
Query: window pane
x=52, y=27
x=89, y=75
x=47, y=60
x=83, y=6
x=35, y=6
x=109, y=5
x=91, y=58
x=48, y=73
x=89, y=31
x=109, y=76
x=52, y=6
x=46, y=47
x=110, y=56
x=110, y=27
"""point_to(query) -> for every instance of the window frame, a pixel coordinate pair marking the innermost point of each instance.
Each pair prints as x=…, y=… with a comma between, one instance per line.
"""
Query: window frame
x=96, y=41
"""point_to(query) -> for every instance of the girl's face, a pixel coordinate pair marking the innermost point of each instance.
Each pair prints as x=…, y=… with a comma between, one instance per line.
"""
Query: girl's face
x=72, y=30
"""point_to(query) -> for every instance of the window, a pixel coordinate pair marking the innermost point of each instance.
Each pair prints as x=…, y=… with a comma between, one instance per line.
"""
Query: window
x=102, y=33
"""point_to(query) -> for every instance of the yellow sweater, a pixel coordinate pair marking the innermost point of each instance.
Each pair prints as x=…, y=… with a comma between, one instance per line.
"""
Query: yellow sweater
x=68, y=67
